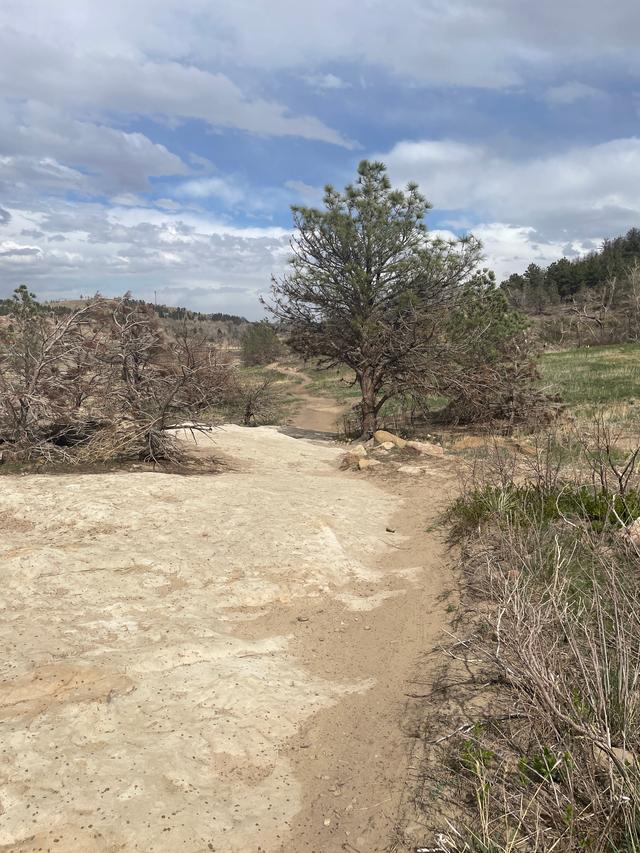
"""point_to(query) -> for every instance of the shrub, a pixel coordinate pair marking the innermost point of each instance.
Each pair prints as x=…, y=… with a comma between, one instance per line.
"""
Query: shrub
x=526, y=505
x=548, y=754
x=103, y=382
x=260, y=344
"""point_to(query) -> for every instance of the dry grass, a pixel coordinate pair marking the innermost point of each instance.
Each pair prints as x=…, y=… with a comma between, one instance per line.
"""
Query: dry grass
x=537, y=742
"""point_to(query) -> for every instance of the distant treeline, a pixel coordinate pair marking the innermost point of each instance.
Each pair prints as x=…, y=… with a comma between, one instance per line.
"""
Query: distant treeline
x=585, y=301
x=539, y=288
x=61, y=306
x=186, y=314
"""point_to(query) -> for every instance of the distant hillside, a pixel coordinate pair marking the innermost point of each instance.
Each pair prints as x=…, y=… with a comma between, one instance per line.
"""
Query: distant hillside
x=222, y=328
x=226, y=329
x=538, y=287
x=594, y=299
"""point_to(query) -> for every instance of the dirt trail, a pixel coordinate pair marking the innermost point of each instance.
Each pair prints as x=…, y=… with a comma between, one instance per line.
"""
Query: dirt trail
x=213, y=663
x=314, y=413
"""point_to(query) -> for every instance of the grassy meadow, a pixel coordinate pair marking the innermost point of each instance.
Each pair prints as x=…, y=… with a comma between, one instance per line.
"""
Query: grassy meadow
x=589, y=379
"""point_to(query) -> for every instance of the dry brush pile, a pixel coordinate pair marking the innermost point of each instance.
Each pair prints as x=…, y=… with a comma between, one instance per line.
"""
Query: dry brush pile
x=104, y=382
x=538, y=742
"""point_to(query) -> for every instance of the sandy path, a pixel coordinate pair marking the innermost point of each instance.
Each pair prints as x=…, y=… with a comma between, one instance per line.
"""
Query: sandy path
x=314, y=413
x=211, y=663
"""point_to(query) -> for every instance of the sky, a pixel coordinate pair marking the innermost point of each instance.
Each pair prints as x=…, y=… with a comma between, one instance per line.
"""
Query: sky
x=156, y=146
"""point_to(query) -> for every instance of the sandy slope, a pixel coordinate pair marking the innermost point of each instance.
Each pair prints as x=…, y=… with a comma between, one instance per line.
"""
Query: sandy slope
x=210, y=662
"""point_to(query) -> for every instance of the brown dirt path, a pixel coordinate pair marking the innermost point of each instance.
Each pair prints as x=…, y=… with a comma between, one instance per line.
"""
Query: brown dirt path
x=352, y=758
x=314, y=413
x=213, y=663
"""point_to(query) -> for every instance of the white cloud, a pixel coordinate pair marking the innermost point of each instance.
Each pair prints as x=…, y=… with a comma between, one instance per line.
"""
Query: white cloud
x=459, y=42
x=18, y=252
x=212, y=187
x=571, y=93
x=304, y=192
x=45, y=149
x=509, y=248
x=582, y=192
x=137, y=86
x=185, y=255
x=75, y=74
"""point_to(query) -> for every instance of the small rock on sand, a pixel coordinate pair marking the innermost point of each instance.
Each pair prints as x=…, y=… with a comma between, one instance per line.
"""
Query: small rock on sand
x=368, y=463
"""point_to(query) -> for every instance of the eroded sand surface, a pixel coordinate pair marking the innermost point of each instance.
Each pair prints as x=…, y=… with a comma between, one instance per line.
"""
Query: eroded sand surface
x=153, y=627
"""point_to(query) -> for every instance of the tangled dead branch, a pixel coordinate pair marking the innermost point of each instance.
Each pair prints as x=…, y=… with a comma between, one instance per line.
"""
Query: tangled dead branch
x=105, y=382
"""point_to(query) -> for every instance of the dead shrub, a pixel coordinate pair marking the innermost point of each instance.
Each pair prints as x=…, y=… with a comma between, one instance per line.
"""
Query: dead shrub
x=106, y=381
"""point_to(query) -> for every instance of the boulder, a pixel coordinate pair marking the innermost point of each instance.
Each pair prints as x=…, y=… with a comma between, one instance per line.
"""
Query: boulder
x=426, y=448
x=386, y=445
x=367, y=463
x=358, y=450
x=381, y=436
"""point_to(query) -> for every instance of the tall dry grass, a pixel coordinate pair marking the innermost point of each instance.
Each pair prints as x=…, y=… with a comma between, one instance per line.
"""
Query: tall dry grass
x=549, y=758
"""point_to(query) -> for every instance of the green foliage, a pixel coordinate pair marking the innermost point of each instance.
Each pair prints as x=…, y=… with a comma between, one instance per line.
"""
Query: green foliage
x=492, y=377
x=486, y=318
x=260, y=344
x=368, y=288
x=23, y=304
x=542, y=766
x=474, y=757
x=565, y=277
x=179, y=313
x=525, y=505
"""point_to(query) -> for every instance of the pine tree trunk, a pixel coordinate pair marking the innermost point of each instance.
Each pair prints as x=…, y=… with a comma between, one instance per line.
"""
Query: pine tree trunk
x=369, y=413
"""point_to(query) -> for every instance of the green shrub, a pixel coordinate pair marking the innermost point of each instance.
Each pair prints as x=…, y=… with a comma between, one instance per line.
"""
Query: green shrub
x=527, y=504
x=260, y=344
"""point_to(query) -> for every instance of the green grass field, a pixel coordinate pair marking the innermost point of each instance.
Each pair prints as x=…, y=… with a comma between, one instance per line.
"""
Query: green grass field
x=592, y=378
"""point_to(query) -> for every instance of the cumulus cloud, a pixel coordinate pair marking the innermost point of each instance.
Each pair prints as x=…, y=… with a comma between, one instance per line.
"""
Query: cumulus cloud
x=461, y=42
x=510, y=248
x=532, y=209
x=582, y=192
x=136, y=85
x=17, y=251
x=81, y=249
x=39, y=144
